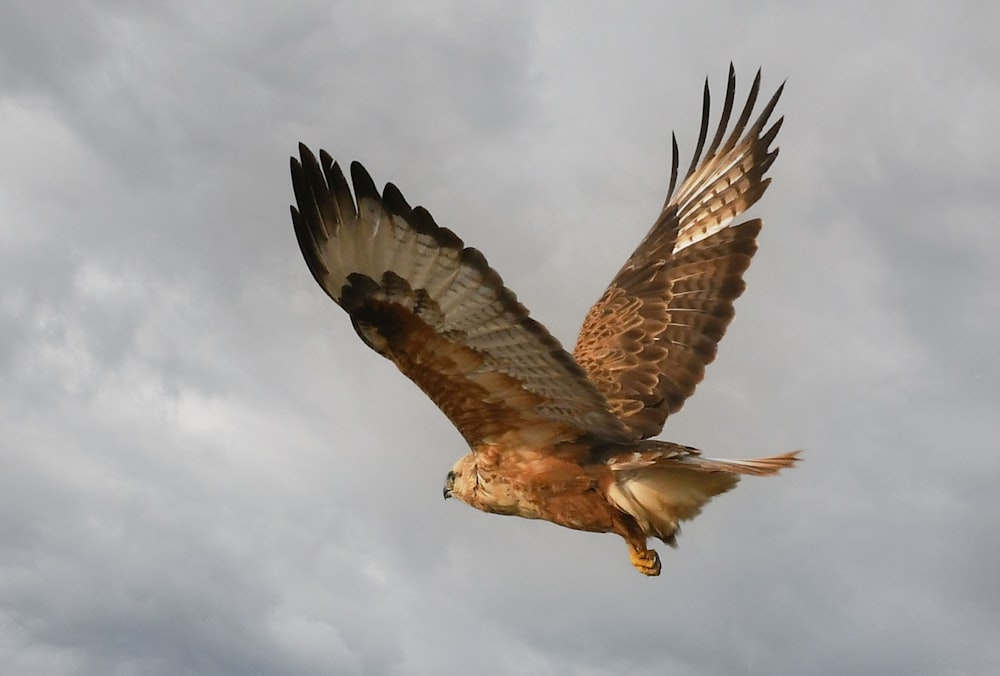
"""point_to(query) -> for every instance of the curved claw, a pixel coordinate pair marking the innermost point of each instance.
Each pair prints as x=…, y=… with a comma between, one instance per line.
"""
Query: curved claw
x=646, y=561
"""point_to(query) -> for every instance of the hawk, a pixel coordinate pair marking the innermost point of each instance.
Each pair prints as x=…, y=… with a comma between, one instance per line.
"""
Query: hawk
x=553, y=435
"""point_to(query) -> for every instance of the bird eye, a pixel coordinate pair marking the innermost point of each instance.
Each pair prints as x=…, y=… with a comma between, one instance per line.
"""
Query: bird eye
x=451, y=477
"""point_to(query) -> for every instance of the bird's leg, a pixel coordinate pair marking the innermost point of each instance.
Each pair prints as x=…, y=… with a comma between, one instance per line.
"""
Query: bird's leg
x=646, y=561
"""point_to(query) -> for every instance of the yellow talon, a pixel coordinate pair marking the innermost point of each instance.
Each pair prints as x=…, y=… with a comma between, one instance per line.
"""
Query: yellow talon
x=646, y=561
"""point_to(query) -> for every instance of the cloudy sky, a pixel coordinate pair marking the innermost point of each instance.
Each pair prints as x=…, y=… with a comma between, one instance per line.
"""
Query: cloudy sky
x=203, y=471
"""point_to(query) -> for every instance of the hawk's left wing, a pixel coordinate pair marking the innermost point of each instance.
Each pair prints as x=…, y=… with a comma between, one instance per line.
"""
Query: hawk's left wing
x=420, y=298
x=646, y=342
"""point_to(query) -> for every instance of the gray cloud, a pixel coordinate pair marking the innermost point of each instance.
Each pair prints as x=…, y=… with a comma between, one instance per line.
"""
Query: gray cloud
x=202, y=470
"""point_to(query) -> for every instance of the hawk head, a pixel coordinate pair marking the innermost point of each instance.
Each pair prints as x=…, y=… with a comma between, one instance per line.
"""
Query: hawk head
x=462, y=479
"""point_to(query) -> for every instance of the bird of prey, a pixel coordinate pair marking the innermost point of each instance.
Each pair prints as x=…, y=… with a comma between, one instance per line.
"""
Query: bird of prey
x=553, y=435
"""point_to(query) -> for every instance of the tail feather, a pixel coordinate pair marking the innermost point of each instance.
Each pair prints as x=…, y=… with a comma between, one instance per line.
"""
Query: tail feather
x=772, y=464
x=659, y=489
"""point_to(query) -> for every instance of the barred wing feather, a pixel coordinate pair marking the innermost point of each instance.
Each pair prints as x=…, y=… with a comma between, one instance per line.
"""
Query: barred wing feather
x=420, y=298
x=647, y=340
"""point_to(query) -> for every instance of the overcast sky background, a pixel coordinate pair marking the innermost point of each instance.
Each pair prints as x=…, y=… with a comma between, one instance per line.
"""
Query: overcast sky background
x=204, y=471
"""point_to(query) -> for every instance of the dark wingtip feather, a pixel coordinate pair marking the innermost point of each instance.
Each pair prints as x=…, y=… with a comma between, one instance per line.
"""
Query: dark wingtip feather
x=302, y=187
x=343, y=208
x=422, y=221
x=706, y=106
x=394, y=201
x=768, y=136
x=312, y=171
x=741, y=123
x=766, y=112
x=364, y=186
x=674, y=162
x=727, y=111
x=305, y=237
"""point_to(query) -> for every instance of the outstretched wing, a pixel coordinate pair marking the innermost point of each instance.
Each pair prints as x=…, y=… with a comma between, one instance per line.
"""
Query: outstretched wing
x=435, y=308
x=646, y=342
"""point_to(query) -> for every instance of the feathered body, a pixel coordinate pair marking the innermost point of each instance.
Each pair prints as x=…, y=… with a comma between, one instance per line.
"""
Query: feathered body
x=556, y=436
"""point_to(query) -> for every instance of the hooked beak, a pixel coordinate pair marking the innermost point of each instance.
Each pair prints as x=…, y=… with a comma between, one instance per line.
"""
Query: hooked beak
x=449, y=483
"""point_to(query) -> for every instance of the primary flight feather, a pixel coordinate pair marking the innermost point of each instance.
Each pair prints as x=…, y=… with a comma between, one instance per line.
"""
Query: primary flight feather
x=556, y=436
